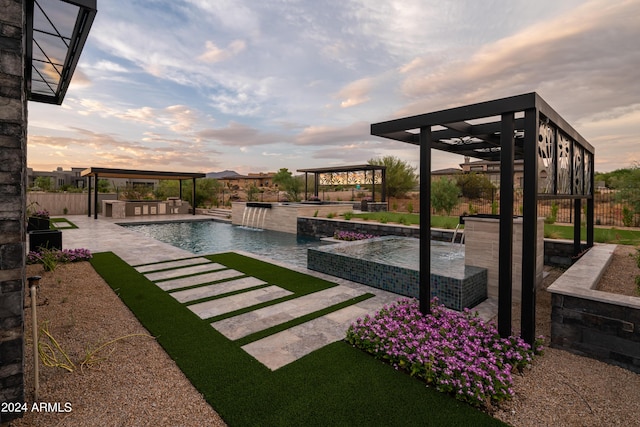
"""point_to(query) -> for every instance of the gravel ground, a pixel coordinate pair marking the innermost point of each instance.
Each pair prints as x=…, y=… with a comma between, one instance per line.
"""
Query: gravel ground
x=139, y=385
x=136, y=385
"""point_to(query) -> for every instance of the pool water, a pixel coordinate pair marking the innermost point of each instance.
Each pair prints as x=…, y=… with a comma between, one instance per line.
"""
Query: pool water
x=208, y=237
x=405, y=252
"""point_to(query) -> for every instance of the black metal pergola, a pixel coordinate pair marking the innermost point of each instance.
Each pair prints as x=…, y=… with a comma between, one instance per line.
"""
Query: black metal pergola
x=558, y=164
x=97, y=173
x=340, y=175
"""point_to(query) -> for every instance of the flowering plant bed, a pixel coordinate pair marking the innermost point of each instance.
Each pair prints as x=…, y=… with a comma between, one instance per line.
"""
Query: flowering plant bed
x=59, y=256
x=458, y=353
x=351, y=236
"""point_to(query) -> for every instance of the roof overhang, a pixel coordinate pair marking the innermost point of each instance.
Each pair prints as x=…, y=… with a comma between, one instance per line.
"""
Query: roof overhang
x=474, y=130
x=351, y=168
x=56, y=31
x=139, y=174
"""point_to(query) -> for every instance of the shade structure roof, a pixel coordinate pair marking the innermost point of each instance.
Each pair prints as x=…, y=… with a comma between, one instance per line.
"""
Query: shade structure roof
x=474, y=130
x=350, y=168
x=139, y=174
x=56, y=31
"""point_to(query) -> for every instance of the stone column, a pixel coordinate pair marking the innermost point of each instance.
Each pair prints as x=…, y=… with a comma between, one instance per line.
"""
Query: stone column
x=13, y=137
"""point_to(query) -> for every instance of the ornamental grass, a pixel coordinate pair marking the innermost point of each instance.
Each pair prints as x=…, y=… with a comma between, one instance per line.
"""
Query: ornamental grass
x=457, y=353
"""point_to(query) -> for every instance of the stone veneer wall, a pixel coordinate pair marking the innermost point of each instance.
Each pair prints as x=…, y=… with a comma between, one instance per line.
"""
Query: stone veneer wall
x=326, y=227
x=482, y=237
x=283, y=217
x=594, y=323
x=13, y=179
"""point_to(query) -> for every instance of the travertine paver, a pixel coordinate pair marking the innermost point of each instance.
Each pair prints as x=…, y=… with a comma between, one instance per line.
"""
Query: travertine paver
x=285, y=347
x=216, y=307
x=199, y=279
x=184, y=271
x=245, y=324
x=171, y=264
x=220, y=288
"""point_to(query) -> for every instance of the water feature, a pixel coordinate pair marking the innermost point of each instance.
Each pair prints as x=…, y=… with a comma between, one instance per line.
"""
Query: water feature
x=206, y=237
x=254, y=215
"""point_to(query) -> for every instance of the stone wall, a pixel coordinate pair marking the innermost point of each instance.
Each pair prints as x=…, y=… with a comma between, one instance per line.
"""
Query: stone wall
x=13, y=179
x=326, y=227
x=593, y=323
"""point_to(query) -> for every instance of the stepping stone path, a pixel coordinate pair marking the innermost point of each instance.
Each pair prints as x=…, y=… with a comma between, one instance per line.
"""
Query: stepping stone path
x=211, y=289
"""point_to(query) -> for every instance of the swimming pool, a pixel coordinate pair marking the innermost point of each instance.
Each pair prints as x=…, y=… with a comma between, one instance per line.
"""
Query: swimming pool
x=207, y=237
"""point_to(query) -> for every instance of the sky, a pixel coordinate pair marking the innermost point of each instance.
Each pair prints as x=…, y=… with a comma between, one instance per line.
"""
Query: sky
x=255, y=86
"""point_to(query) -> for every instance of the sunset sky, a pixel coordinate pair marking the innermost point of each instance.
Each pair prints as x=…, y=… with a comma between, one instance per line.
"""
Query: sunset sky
x=254, y=86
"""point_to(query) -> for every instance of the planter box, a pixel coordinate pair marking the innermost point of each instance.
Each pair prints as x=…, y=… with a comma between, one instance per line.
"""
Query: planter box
x=594, y=323
x=38, y=223
x=49, y=239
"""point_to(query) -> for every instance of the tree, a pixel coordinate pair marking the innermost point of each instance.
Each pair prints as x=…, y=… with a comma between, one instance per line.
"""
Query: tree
x=252, y=193
x=627, y=185
x=444, y=195
x=474, y=185
x=401, y=177
x=43, y=183
x=104, y=185
x=292, y=185
x=206, y=190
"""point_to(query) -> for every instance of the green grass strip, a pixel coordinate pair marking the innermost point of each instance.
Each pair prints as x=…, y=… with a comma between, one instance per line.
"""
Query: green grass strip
x=293, y=281
x=336, y=385
x=61, y=220
x=300, y=320
x=600, y=235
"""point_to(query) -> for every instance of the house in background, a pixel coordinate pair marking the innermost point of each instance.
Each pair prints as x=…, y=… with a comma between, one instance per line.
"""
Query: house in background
x=492, y=170
x=59, y=178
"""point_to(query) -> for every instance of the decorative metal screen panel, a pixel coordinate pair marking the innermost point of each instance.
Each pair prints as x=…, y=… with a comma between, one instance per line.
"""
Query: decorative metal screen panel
x=349, y=178
x=564, y=163
x=588, y=189
x=546, y=157
x=578, y=170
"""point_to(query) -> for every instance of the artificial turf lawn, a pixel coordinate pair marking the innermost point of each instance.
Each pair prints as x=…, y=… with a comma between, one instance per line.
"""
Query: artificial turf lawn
x=336, y=385
x=68, y=227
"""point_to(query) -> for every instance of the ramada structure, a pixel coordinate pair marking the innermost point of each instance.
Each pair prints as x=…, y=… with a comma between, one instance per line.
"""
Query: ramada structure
x=97, y=173
x=558, y=164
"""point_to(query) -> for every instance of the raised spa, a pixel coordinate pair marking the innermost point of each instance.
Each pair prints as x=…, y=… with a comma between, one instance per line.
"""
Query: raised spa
x=391, y=263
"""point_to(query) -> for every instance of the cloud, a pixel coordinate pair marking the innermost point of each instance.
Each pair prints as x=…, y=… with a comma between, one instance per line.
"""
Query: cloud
x=238, y=134
x=326, y=135
x=355, y=93
x=577, y=58
x=175, y=118
x=215, y=54
x=109, y=66
x=108, y=150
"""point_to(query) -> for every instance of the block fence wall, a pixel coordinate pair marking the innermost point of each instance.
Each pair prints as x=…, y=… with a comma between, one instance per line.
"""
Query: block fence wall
x=13, y=180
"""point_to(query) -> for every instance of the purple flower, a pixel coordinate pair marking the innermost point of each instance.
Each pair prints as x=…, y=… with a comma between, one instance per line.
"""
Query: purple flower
x=456, y=352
